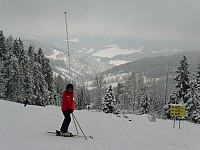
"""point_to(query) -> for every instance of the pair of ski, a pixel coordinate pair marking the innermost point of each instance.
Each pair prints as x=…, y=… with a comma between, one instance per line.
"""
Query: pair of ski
x=57, y=133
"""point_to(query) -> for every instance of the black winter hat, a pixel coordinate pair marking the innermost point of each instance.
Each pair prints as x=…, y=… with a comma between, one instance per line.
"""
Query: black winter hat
x=70, y=86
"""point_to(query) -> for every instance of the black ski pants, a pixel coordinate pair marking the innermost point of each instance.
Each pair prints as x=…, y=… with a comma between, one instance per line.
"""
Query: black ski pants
x=66, y=121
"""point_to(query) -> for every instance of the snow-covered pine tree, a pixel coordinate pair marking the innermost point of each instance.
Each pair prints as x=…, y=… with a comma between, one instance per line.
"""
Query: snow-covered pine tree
x=16, y=48
x=14, y=88
x=194, y=102
x=144, y=105
x=3, y=77
x=28, y=86
x=26, y=82
x=31, y=56
x=197, y=84
x=7, y=63
x=183, y=87
x=2, y=46
x=42, y=79
x=41, y=88
x=182, y=79
x=48, y=73
x=13, y=70
x=196, y=115
x=142, y=89
x=189, y=105
x=39, y=57
x=29, y=76
x=2, y=80
x=109, y=101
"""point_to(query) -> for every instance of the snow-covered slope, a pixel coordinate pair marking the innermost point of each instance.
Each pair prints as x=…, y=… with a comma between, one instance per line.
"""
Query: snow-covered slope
x=82, y=66
x=23, y=128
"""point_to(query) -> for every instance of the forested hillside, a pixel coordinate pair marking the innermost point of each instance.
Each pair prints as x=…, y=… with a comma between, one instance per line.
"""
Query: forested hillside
x=156, y=67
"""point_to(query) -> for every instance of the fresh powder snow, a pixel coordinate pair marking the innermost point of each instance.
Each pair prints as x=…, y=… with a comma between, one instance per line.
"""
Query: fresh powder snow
x=23, y=128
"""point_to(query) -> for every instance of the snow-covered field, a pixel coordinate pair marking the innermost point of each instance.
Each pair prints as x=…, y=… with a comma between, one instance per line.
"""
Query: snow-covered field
x=23, y=128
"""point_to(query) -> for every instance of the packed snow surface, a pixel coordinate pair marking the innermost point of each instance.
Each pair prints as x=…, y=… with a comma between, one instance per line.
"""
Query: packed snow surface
x=23, y=128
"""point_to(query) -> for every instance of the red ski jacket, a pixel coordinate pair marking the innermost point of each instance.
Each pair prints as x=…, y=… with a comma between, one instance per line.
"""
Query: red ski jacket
x=67, y=101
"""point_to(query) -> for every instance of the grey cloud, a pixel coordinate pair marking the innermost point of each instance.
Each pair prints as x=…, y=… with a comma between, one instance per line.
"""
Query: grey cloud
x=176, y=20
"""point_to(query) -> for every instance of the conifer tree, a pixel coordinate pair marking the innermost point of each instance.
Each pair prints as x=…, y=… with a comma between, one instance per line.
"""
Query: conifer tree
x=43, y=78
x=16, y=48
x=197, y=84
x=193, y=104
x=2, y=81
x=14, y=93
x=41, y=89
x=39, y=56
x=141, y=90
x=2, y=46
x=48, y=73
x=29, y=80
x=3, y=66
x=28, y=83
x=144, y=105
x=31, y=55
x=183, y=87
x=25, y=79
x=109, y=101
x=182, y=79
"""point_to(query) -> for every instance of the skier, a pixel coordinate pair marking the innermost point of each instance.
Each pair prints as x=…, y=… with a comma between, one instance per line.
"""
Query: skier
x=25, y=102
x=67, y=109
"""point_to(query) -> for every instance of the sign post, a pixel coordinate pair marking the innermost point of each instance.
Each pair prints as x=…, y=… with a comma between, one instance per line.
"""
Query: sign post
x=177, y=111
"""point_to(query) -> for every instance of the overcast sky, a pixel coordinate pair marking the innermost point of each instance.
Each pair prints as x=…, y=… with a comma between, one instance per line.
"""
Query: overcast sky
x=163, y=20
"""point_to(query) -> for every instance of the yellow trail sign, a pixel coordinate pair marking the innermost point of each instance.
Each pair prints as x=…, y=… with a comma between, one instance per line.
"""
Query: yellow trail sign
x=177, y=110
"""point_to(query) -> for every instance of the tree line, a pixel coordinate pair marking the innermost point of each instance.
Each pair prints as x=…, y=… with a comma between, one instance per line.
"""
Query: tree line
x=135, y=95
x=26, y=76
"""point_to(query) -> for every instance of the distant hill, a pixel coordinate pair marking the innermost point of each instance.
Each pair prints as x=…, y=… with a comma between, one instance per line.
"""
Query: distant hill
x=156, y=67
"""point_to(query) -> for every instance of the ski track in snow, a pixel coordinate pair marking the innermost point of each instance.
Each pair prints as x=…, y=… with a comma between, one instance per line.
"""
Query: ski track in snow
x=23, y=128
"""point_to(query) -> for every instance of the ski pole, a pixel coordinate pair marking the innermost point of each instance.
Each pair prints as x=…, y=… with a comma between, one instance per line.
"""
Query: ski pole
x=75, y=123
x=79, y=125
